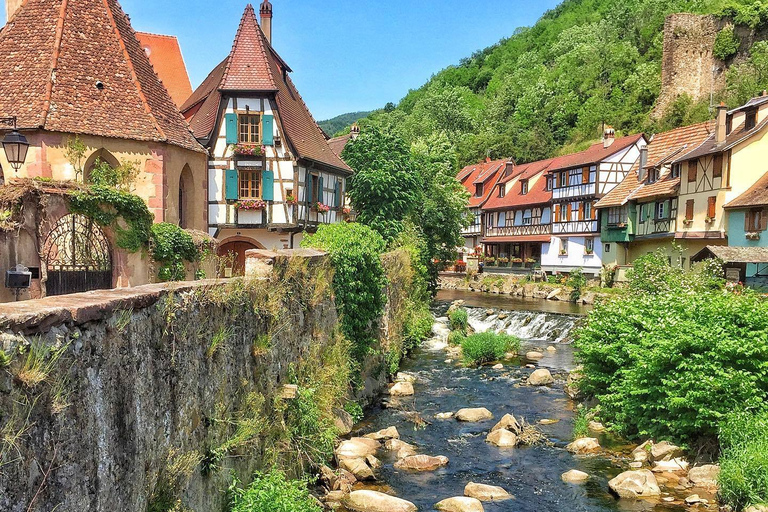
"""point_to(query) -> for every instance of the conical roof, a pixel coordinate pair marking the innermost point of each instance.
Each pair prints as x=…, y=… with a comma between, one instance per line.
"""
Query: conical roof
x=76, y=66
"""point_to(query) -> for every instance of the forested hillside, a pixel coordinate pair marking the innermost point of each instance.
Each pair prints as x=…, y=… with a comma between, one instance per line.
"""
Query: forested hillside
x=338, y=123
x=549, y=88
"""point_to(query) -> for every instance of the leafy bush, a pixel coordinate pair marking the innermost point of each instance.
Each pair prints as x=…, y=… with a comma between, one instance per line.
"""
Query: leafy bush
x=744, y=462
x=487, y=346
x=355, y=410
x=576, y=280
x=171, y=247
x=674, y=356
x=456, y=337
x=312, y=432
x=581, y=423
x=459, y=319
x=418, y=325
x=358, y=278
x=272, y=492
x=726, y=43
x=121, y=177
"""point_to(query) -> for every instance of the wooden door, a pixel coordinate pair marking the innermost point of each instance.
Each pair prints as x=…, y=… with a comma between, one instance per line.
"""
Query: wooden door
x=234, y=256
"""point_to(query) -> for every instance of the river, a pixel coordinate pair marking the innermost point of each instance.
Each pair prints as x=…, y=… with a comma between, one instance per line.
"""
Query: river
x=531, y=474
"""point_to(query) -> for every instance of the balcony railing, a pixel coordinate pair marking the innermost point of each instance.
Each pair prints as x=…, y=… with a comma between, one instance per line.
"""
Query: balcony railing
x=581, y=226
x=474, y=229
x=532, y=229
x=586, y=189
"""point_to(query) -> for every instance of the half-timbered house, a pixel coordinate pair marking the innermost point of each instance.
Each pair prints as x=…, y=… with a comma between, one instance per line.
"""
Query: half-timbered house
x=271, y=173
x=578, y=181
x=517, y=216
x=480, y=180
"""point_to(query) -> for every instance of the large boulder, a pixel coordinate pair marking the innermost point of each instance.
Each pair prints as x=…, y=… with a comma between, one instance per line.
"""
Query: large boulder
x=401, y=448
x=670, y=466
x=704, y=476
x=373, y=501
x=485, y=492
x=343, y=422
x=359, y=467
x=508, y=422
x=574, y=476
x=401, y=389
x=384, y=434
x=421, y=463
x=474, y=415
x=502, y=438
x=635, y=484
x=643, y=452
x=534, y=356
x=584, y=446
x=460, y=504
x=541, y=377
x=357, y=447
x=405, y=377
x=665, y=451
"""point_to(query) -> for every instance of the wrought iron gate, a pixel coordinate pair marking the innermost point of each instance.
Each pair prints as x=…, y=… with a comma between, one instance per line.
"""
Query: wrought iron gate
x=78, y=257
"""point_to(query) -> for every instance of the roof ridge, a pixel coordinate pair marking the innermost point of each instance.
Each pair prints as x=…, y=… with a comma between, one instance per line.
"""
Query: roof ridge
x=54, y=59
x=156, y=34
x=129, y=63
x=248, y=14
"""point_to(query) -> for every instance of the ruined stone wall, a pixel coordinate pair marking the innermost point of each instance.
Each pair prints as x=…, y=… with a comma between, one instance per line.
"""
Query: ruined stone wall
x=109, y=400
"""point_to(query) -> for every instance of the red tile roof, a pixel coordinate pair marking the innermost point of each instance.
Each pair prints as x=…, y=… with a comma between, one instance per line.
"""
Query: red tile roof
x=338, y=144
x=165, y=55
x=537, y=191
x=491, y=171
x=733, y=139
x=77, y=67
x=663, y=148
x=756, y=195
x=253, y=65
x=595, y=153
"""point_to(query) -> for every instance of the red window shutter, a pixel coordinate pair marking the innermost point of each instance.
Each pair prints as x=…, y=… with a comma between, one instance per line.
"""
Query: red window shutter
x=581, y=211
x=557, y=213
x=594, y=211
x=717, y=172
x=568, y=210
x=585, y=175
x=689, y=209
x=748, y=221
x=711, y=206
x=692, y=165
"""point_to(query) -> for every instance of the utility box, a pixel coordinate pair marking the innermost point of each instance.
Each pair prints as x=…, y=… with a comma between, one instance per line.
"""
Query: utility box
x=18, y=278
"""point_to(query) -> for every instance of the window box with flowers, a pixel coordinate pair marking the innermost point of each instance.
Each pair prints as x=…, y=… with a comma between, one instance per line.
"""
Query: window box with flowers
x=517, y=261
x=753, y=236
x=563, y=252
x=490, y=261
x=529, y=262
x=290, y=199
x=687, y=222
x=321, y=208
x=710, y=220
x=246, y=150
x=461, y=266
x=251, y=205
x=502, y=262
x=589, y=252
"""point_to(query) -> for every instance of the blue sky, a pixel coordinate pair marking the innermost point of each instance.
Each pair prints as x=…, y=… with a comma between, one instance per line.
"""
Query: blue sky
x=347, y=55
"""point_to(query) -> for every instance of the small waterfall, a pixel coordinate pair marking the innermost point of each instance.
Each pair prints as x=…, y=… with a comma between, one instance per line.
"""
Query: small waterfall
x=529, y=325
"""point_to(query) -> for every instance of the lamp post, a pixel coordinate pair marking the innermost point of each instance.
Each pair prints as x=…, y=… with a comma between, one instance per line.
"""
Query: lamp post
x=15, y=145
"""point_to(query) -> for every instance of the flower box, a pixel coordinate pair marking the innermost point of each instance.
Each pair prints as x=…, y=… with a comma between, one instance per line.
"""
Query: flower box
x=321, y=208
x=289, y=199
x=710, y=220
x=247, y=150
x=687, y=222
x=753, y=236
x=563, y=253
x=346, y=210
x=250, y=204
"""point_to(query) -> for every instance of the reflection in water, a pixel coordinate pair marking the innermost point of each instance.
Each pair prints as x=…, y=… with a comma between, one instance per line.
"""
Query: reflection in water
x=532, y=474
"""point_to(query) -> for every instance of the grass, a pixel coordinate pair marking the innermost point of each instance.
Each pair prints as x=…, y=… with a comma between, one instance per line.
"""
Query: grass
x=744, y=461
x=218, y=339
x=458, y=319
x=581, y=423
x=456, y=337
x=5, y=359
x=40, y=361
x=487, y=346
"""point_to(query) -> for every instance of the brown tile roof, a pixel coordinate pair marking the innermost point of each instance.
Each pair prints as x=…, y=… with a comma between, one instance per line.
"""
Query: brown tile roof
x=731, y=254
x=537, y=192
x=662, y=149
x=164, y=53
x=595, y=153
x=736, y=137
x=756, y=195
x=253, y=65
x=53, y=53
x=338, y=144
x=491, y=170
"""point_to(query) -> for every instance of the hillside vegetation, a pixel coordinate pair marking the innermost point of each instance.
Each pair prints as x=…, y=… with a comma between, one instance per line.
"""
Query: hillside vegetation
x=338, y=123
x=549, y=88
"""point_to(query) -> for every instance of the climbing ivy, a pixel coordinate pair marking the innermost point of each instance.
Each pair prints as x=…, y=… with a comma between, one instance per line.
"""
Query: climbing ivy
x=171, y=247
x=106, y=205
x=727, y=43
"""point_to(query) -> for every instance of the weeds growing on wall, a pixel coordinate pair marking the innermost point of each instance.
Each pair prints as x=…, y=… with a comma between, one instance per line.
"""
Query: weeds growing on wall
x=271, y=492
x=172, y=479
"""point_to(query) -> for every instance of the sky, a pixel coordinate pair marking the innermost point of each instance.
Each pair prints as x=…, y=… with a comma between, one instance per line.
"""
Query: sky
x=346, y=55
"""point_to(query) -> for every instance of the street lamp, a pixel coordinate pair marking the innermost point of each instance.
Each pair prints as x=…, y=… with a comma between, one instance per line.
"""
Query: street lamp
x=15, y=144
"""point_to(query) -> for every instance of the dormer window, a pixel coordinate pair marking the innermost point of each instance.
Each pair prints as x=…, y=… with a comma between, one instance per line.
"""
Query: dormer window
x=523, y=187
x=502, y=190
x=751, y=119
x=676, y=168
x=548, y=185
x=728, y=124
x=478, y=189
x=653, y=175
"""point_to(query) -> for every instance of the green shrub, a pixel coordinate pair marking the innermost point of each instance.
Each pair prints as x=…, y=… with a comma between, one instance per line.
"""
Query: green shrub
x=487, y=346
x=418, y=325
x=581, y=423
x=312, y=433
x=459, y=319
x=272, y=492
x=358, y=279
x=456, y=337
x=171, y=247
x=674, y=356
x=355, y=410
x=726, y=43
x=744, y=462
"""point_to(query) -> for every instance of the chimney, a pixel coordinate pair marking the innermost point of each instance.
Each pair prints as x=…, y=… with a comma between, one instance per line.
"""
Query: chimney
x=721, y=123
x=266, y=19
x=11, y=6
x=641, y=172
x=609, y=135
x=354, y=132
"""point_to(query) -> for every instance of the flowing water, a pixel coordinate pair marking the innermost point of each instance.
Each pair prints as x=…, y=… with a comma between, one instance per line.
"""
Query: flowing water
x=532, y=474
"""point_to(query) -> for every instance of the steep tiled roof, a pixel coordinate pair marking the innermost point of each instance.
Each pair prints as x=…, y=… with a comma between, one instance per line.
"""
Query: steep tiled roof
x=338, y=144
x=490, y=170
x=595, y=153
x=737, y=136
x=756, y=195
x=662, y=149
x=254, y=66
x=731, y=254
x=76, y=66
x=537, y=191
x=164, y=53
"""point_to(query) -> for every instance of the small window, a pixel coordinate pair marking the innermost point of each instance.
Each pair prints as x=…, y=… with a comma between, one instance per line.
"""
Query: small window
x=643, y=209
x=585, y=175
x=653, y=175
x=711, y=206
x=607, y=248
x=317, y=194
x=751, y=119
x=589, y=245
x=478, y=189
x=523, y=187
x=728, y=124
x=549, y=183
x=682, y=262
x=756, y=220
x=527, y=218
x=693, y=168
x=250, y=182
x=249, y=125
x=662, y=210
x=717, y=169
x=563, y=246
x=676, y=170
x=502, y=190
x=588, y=211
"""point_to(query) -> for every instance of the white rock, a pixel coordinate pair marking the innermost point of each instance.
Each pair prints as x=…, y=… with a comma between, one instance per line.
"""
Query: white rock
x=497, y=367
x=485, y=492
x=401, y=448
x=534, y=356
x=671, y=466
x=474, y=414
x=444, y=415
x=574, y=476
x=357, y=447
x=401, y=389
x=665, y=451
x=405, y=377
x=595, y=426
x=551, y=349
x=508, y=422
x=704, y=476
x=421, y=462
x=358, y=467
x=384, y=434
x=693, y=499
x=541, y=377
x=584, y=446
x=373, y=501
x=460, y=504
x=635, y=484
x=502, y=438
x=643, y=452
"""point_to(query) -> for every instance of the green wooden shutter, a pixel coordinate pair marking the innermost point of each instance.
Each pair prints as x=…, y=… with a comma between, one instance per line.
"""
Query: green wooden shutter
x=337, y=194
x=231, y=185
x=320, y=193
x=267, y=131
x=231, y=123
x=308, y=186
x=268, y=185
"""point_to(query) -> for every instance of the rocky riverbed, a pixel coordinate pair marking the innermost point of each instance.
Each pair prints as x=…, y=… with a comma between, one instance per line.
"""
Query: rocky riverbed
x=499, y=437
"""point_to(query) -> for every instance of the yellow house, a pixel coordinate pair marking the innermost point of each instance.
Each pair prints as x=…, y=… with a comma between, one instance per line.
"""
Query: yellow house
x=718, y=171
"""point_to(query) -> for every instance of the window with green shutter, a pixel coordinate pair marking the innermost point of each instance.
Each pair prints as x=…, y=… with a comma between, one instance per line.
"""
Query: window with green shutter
x=231, y=184
x=267, y=129
x=268, y=185
x=230, y=121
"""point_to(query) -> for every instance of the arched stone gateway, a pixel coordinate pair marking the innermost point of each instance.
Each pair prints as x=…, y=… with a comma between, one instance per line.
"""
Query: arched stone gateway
x=77, y=257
